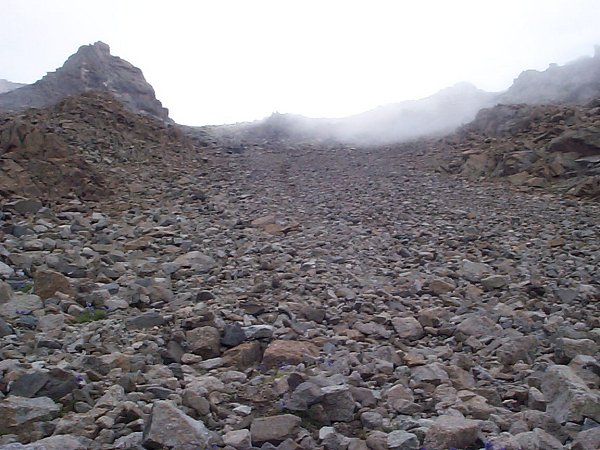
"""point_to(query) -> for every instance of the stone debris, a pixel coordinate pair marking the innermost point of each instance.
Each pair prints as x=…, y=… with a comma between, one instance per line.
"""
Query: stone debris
x=531, y=146
x=295, y=296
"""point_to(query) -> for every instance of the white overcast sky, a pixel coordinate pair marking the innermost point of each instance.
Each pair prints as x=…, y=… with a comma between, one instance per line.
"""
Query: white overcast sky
x=225, y=61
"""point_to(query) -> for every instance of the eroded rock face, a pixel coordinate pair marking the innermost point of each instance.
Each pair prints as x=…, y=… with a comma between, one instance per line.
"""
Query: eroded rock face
x=576, y=82
x=39, y=164
x=92, y=68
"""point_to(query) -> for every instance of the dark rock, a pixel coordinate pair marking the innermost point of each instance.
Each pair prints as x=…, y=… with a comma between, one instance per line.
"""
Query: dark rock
x=233, y=335
x=5, y=328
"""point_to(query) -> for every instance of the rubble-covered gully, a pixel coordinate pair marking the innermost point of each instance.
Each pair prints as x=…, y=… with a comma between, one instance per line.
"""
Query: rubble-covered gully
x=309, y=297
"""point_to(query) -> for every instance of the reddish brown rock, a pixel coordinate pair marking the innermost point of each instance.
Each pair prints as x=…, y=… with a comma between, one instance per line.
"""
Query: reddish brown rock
x=244, y=355
x=47, y=283
x=289, y=352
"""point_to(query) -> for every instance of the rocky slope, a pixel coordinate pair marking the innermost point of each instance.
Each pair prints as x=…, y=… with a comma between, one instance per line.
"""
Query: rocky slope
x=544, y=146
x=92, y=68
x=159, y=291
x=301, y=297
x=81, y=147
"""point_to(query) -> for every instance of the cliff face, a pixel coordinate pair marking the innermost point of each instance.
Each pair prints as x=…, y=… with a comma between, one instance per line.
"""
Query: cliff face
x=92, y=68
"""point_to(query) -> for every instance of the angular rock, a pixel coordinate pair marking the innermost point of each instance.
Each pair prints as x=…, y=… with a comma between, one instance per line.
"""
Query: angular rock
x=566, y=349
x=20, y=305
x=19, y=413
x=478, y=326
x=197, y=260
x=169, y=427
x=64, y=442
x=587, y=440
x=46, y=283
x=451, y=431
x=244, y=355
x=402, y=440
x=494, y=282
x=148, y=319
x=538, y=439
x=6, y=271
x=274, y=429
x=440, y=287
x=233, y=335
x=408, y=328
x=433, y=373
x=5, y=328
x=337, y=403
x=204, y=341
x=289, y=352
x=6, y=292
x=569, y=398
x=51, y=322
x=27, y=206
x=239, y=439
x=304, y=396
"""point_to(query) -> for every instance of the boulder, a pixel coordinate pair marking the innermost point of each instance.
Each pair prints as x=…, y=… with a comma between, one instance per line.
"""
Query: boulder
x=280, y=352
x=19, y=414
x=451, y=431
x=569, y=398
x=204, y=341
x=46, y=283
x=408, y=328
x=274, y=429
x=169, y=427
x=21, y=304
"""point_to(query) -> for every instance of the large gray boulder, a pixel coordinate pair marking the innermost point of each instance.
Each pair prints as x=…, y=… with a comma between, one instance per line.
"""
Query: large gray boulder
x=168, y=427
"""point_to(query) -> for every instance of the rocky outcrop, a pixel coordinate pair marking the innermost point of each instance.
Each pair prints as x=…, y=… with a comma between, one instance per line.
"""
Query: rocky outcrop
x=71, y=148
x=38, y=164
x=92, y=68
x=543, y=146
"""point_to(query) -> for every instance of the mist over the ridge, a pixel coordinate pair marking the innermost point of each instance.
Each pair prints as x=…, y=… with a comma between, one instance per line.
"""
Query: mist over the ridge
x=439, y=114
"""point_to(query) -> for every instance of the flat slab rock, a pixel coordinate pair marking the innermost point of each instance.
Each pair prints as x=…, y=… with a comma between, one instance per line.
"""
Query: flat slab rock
x=274, y=429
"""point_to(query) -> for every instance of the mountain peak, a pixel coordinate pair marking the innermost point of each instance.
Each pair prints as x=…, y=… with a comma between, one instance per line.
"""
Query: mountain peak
x=91, y=68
